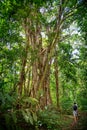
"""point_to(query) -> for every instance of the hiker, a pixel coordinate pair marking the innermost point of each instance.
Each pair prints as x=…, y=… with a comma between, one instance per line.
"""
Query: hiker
x=75, y=112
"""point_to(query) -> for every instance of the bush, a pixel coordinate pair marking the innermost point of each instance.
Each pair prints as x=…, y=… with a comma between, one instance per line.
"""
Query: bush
x=17, y=111
x=66, y=104
x=49, y=120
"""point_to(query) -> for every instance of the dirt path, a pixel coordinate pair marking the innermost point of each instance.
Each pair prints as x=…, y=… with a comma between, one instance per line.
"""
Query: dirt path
x=81, y=124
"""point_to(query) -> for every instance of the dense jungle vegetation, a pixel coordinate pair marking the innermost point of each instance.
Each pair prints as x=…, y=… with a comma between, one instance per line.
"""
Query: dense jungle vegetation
x=43, y=64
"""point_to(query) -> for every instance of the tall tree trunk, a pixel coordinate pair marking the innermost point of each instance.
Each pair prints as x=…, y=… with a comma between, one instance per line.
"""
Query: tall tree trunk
x=57, y=81
x=41, y=58
x=38, y=67
x=22, y=74
x=41, y=67
x=24, y=59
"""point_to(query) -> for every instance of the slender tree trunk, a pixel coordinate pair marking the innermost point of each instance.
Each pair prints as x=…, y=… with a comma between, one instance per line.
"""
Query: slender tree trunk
x=24, y=60
x=57, y=80
x=22, y=77
x=28, y=82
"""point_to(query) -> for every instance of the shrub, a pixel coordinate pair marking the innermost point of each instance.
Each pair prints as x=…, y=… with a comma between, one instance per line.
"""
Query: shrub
x=49, y=120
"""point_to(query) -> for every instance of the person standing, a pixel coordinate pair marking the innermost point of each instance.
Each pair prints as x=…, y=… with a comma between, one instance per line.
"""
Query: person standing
x=75, y=112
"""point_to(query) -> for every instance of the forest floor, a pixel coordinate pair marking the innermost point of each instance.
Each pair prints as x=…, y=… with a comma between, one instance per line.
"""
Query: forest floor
x=69, y=123
x=66, y=122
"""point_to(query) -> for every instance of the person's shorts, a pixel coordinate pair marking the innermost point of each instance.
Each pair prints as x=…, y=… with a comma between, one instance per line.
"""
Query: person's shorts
x=75, y=113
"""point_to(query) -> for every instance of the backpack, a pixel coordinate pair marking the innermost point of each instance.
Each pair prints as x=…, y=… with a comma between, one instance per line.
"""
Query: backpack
x=74, y=107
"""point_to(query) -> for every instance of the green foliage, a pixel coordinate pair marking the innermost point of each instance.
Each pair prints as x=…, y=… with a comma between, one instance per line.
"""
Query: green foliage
x=66, y=105
x=7, y=101
x=27, y=116
x=16, y=109
x=49, y=119
x=66, y=62
x=27, y=107
x=82, y=95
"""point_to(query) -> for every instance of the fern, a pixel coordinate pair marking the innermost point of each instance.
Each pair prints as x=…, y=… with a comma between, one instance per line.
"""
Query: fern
x=34, y=117
x=15, y=108
x=14, y=117
x=29, y=116
x=30, y=100
x=7, y=118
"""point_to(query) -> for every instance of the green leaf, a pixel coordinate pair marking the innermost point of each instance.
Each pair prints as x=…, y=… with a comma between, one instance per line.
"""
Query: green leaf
x=34, y=116
x=14, y=117
x=25, y=116
x=30, y=117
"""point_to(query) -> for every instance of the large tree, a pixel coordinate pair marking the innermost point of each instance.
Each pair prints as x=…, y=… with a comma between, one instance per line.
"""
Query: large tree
x=40, y=24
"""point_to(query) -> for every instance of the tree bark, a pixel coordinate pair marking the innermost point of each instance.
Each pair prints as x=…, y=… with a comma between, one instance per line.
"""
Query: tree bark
x=57, y=81
x=24, y=59
x=41, y=58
